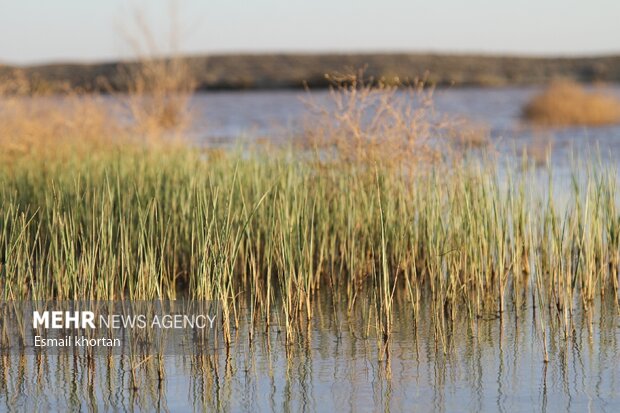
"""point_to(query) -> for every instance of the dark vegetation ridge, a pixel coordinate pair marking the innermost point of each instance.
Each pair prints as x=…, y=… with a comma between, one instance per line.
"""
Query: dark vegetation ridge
x=283, y=71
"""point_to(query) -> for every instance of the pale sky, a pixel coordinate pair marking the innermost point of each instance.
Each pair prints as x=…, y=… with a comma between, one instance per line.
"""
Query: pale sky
x=38, y=31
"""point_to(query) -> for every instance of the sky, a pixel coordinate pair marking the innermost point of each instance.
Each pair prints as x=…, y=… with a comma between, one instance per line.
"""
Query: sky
x=43, y=31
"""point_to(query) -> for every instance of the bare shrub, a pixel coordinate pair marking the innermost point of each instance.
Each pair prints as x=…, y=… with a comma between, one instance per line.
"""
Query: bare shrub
x=161, y=82
x=372, y=122
x=388, y=123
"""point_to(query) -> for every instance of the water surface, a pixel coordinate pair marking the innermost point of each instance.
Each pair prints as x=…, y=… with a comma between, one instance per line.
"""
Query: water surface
x=485, y=364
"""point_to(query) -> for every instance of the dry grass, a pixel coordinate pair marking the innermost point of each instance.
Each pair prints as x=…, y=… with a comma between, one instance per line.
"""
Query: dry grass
x=37, y=119
x=34, y=122
x=567, y=103
x=51, y=124
x=467, y=134
x=74, y=123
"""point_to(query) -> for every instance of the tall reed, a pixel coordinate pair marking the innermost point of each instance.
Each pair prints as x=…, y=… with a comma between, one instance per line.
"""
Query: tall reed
x=261, y=232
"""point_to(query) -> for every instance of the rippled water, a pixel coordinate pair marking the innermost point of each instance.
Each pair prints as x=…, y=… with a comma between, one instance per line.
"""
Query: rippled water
x=222, y=118
x=485, y=364
x=226, y=116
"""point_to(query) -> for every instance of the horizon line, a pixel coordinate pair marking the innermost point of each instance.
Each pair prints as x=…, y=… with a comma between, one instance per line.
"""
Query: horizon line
x=367, y=52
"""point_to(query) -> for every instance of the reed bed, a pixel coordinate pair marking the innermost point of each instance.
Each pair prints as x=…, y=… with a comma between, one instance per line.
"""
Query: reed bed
x=270, y=232
x=371, y=210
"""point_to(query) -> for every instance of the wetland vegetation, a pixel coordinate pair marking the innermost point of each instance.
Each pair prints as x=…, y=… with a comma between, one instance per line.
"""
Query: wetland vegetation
x=379, y=225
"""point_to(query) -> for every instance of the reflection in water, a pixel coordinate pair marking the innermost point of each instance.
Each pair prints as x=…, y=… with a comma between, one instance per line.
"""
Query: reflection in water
x=481, y=364
x=485, y=364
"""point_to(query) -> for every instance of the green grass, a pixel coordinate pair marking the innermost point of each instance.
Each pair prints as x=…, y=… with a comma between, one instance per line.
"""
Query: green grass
x=268, y=233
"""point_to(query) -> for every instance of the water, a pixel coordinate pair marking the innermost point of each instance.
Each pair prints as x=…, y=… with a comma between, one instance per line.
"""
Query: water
x=222, y=118
x=485, y=364
x=274, y=115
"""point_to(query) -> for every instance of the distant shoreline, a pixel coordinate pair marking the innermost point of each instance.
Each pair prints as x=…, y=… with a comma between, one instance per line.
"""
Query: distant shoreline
x=295, y=71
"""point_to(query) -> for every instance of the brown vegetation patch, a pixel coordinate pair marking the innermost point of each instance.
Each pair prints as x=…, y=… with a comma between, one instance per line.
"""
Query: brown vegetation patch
x=567, y=103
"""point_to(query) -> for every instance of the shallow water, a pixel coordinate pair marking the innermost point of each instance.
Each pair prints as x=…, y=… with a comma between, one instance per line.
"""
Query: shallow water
x=486, y=364
x=226, y=116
